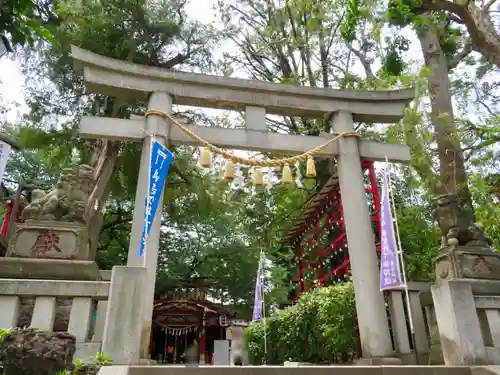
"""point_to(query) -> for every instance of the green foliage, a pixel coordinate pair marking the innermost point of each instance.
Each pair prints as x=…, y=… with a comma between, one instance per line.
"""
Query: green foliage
x=351, y=21
x=487, y=212
x=392, y=62
x=102, y=359
x=82, y=368
x=27, y=20
x=420, y=240
x=324, y=318
x=450, y=40
x=402, y=12
x=3, y=334
x=420, y=237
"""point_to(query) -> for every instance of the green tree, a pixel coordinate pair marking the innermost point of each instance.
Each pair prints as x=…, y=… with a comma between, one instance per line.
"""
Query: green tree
x=477, y=17
x=200, y=242
x=323, y=318
x=444, y=47
x=27, y=20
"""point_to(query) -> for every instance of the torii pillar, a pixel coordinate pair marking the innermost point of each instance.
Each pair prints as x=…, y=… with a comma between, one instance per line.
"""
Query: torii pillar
x=157, y=127
x=370, y=302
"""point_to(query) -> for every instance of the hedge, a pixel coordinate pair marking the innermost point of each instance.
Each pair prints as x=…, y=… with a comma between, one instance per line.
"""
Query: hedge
x=319, y=328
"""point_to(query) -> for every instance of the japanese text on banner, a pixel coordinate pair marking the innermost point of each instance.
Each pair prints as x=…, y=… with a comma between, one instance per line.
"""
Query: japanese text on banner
x=390, y=276
x=160, y=162
x=258, y=302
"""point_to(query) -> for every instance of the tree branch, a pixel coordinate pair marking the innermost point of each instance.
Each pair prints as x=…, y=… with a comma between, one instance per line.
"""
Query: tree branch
x=466, y=50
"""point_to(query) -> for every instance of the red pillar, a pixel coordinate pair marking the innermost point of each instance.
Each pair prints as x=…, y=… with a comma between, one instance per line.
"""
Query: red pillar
x=203, y=338
x=301, y=270
x=6, y=217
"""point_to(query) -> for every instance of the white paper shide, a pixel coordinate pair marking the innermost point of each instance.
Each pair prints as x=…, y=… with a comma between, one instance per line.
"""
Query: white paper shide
x=4, y=157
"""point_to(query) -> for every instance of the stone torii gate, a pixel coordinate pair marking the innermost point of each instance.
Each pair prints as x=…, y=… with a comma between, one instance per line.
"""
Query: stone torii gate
x=162, y=88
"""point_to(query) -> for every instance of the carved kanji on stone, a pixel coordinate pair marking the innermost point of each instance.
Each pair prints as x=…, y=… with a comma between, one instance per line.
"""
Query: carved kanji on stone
x=481, y=267
x=45, y=242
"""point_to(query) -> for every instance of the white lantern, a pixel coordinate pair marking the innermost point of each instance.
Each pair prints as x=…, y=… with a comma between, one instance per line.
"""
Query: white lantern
x=223, y=320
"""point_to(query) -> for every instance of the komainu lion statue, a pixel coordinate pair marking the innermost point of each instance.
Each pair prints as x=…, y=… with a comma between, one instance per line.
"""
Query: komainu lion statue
x=457, y=225
x=67, y=201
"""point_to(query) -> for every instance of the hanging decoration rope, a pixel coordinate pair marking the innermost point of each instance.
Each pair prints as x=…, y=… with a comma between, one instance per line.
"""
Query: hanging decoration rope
x=179, y=331
x=206, y=159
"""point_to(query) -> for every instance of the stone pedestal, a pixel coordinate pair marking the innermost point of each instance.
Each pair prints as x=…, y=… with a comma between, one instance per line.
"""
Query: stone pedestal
x=465, y=275
x=466, y=262
x=49, y=239
x=49, y=269
x=52, y=250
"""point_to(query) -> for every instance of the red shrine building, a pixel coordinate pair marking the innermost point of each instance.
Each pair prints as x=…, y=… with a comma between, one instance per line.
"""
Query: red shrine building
x=319, y=240
x=183, y=318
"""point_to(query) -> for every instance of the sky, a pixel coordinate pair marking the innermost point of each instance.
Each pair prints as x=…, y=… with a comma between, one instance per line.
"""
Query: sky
x=12, y=79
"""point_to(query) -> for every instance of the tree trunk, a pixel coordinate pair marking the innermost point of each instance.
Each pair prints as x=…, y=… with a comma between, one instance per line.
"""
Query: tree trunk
x=103, y=159
x=485, y=38
x=483, y=33
x=453, y=176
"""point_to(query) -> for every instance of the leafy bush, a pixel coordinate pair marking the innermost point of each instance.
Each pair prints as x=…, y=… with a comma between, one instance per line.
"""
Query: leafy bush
x=316, y=330
x=3, y=333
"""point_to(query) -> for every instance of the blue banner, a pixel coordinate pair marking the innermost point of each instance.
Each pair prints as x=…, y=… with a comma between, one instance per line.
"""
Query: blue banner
x=159, y=166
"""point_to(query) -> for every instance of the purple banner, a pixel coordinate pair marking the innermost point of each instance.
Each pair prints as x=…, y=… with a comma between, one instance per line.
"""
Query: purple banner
x=390, y=276
x=258, y=302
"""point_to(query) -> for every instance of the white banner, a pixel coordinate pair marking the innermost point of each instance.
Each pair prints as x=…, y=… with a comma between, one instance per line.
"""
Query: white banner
x=4, y=157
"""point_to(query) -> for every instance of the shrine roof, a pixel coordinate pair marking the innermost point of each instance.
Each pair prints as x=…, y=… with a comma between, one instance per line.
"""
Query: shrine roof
x=312, y=210
x=167, y=305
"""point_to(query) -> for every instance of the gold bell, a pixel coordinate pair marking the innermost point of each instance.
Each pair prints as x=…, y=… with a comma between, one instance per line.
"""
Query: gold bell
x=258, y=180
x=286, y=177
x=310, y=168
x=229, y=170
x=206, y=158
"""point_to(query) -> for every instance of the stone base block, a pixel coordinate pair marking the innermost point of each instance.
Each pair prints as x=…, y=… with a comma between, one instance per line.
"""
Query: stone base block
x=485, y=370
x=461, y=262
x=122, y=328
x=378, y=361
x=87, y=351
x=48, y=269
x=50, y=239
x=411, y=359
x=147, y=362
x=279, y=370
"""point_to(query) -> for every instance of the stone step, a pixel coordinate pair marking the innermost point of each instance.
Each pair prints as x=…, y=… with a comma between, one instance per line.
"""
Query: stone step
x=301, y=370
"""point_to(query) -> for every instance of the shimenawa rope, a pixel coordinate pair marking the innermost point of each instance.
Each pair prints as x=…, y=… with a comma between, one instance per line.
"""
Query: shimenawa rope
x=245, y=161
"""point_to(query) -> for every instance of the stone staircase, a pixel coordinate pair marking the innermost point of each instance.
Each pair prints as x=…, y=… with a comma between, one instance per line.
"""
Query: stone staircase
x=309, y=370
